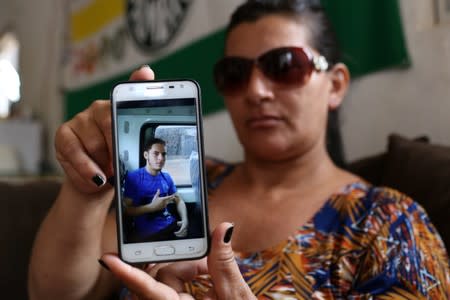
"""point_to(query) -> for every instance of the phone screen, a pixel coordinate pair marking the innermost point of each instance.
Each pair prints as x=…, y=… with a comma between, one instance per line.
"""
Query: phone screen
x=161, y=205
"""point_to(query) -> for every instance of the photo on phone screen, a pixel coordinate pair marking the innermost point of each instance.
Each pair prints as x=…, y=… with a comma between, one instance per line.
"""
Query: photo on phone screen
x=161, y=202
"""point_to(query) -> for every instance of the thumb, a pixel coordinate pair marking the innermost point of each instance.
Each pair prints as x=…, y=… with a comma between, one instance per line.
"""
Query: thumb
x=143, y=73
x=222, y=266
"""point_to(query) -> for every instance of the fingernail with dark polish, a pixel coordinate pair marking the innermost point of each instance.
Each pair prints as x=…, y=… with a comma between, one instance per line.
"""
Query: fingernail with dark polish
x=228, y=234
x=111, y=180
x=98, y=180
x=102, y=263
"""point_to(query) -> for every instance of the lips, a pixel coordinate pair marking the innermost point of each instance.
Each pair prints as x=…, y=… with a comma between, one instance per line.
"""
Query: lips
x=264, y=121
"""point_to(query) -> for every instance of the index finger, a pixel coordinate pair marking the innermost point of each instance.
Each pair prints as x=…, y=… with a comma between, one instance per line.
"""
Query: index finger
x=176, y=274
x=102, y=117
x=137, y=280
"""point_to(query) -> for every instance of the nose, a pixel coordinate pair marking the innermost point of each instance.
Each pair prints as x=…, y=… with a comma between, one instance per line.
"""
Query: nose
x=259, y=87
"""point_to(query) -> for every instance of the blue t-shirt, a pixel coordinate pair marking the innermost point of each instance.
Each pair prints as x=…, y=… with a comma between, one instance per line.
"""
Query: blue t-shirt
x=141, y=187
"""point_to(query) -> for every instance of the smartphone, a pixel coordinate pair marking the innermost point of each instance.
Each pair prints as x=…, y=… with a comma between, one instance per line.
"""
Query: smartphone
x=159, y=171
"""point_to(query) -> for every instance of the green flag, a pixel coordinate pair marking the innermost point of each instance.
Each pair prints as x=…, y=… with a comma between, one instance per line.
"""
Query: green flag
x=369, y=32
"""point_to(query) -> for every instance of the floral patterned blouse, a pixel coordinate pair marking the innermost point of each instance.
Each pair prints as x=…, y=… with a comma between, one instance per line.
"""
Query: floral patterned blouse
x=366, y=242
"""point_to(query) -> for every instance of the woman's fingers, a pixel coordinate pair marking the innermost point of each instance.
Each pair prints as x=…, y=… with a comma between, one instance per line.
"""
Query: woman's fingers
x=82, y=147
x=225, y=274
x=221, y=265
x=137, y=281
x=176, y=274
x=102, y=118
x=85, y=173
x=84, y=144
x=228, y=282
x=93, y=128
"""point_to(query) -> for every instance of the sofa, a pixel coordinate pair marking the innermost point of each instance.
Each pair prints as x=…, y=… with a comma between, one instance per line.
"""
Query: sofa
x=25, y=204
x=417, y=168
x=414, y=166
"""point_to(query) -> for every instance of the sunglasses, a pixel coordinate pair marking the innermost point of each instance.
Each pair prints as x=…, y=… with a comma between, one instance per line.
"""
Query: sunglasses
x=286, y=66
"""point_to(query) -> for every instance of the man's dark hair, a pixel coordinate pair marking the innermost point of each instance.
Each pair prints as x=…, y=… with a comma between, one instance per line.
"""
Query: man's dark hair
x=148, y=145
x=309, y=12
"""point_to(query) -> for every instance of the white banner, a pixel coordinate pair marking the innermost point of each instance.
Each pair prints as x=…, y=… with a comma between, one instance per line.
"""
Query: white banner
x=110, y=37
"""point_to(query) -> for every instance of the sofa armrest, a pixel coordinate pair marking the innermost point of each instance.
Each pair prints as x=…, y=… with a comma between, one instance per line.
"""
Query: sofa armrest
x=24, y=205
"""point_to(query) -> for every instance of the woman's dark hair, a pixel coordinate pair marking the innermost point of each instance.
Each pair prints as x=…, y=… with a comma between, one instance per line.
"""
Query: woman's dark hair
x=323, y=38
x=309, y=12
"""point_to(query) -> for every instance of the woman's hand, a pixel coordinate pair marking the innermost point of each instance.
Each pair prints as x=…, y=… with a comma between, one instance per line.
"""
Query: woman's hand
x=84, y=144
x=228, y=282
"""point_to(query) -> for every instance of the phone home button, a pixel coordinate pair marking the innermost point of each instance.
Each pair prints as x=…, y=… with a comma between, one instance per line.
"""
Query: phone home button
x=164, y=250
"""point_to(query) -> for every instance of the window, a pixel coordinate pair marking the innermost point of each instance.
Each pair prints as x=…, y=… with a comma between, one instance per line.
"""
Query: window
x=9, y=77
x=182, y=152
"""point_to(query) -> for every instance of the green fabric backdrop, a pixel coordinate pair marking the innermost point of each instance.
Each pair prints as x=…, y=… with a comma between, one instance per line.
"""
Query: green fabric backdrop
x=370, y=34
x=369, y=31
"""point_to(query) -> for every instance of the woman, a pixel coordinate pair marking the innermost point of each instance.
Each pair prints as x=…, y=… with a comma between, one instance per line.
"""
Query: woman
x=303, y=228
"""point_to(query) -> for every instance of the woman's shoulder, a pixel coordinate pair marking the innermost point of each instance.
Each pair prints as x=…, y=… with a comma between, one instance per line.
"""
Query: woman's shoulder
x=366, y=198
x=391, y=205
x=392, y=238
x=394, y=215
x=373, y=210
x=391, y=213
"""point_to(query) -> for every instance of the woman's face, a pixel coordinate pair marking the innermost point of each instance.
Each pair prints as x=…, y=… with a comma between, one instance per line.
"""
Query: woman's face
x=274, y=121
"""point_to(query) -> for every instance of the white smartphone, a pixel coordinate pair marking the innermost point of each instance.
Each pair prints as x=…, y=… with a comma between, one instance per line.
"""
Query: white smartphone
x=159, y=171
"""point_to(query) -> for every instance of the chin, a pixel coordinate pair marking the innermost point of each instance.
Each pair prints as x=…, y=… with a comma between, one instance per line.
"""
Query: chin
x=269, y=152
x=273, y=147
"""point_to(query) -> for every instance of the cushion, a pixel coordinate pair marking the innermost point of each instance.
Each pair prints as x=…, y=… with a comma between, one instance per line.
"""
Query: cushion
x=422, y=171
x=370, y=168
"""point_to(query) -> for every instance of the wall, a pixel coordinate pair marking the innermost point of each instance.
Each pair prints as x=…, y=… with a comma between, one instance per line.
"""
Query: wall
x=411, y=102
x=39, y=27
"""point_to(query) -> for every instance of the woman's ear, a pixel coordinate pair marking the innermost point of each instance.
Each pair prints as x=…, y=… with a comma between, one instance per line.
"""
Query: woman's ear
x=340, y=81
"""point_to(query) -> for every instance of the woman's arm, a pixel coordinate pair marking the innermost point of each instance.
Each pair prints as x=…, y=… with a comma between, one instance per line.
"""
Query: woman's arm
x=79, y=227
x=75, y=233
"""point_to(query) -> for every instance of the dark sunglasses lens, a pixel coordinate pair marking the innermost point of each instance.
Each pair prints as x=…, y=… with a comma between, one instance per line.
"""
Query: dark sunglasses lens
x=286, y=65
x=232, y=73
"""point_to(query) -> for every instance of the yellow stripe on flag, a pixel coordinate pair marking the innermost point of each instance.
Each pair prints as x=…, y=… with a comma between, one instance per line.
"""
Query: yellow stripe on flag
x=93, y=17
